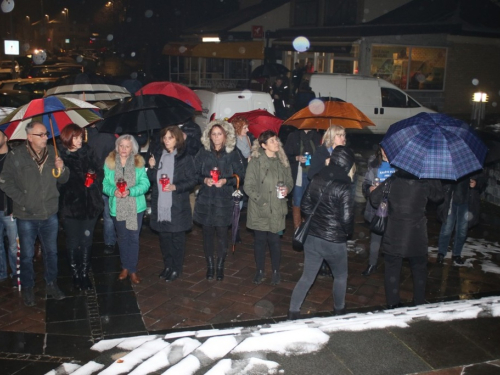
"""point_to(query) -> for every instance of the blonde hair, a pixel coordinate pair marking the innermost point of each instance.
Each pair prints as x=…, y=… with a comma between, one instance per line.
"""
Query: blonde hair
x=352, y=172
x=330, y=134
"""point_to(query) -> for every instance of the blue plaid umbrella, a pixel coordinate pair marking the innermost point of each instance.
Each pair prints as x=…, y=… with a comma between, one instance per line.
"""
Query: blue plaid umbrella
x=433, y=145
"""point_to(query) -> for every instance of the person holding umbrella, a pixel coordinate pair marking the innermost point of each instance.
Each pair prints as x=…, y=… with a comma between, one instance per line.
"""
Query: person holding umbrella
x=172, y=179
x=405, y=235
x=80, y=202
x=267, y=183
x=27, y=178
x=126, y=183
x=215, y=165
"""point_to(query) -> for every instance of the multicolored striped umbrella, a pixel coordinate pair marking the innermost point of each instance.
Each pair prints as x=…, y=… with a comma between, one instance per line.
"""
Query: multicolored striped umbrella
x=54, y=112
x=433, y=145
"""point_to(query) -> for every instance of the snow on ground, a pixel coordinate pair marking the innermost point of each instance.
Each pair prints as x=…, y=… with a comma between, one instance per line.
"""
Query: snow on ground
x=476, y=251
x=247, y=347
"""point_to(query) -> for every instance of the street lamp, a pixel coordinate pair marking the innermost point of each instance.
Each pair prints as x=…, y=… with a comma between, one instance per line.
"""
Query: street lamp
x=65, y=11
x=479, y=100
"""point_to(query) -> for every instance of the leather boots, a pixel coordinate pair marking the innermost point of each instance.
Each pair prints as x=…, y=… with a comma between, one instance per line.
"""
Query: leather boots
x=297, y=219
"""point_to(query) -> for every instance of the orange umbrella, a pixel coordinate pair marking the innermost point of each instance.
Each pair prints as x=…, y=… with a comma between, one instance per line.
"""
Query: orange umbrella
x=321, y=115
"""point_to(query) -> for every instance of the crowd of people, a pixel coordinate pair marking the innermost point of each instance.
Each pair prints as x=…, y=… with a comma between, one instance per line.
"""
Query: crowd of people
x=90, y=174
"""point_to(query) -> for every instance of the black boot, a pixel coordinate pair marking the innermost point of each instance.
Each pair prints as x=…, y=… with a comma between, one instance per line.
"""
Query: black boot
x=369, y=270
x=220, y=268
x=210, y=268
x=86, y=283
x=75, y=265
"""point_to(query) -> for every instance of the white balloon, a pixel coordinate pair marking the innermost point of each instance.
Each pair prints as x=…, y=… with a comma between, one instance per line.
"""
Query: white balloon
x=39, y=57
x=7, y=6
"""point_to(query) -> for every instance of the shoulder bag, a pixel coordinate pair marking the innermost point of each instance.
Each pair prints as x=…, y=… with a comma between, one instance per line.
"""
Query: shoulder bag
x=379, y=221
x=300, y=235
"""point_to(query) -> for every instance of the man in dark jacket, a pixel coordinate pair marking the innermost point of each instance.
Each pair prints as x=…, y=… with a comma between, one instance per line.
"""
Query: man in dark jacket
x=279, y=93
x=29, y=178
x=7, y=223
x=454, y=213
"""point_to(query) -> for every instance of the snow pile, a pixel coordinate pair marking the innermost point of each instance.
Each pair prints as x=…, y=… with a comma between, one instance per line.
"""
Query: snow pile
x=221, y=348
x=476, y=251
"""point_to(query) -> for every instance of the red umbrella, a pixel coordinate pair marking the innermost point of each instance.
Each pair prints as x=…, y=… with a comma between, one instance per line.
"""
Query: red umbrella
x=260, y=120
x=174, y=90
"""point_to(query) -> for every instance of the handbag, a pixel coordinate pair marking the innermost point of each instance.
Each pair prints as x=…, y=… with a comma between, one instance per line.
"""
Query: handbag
x=379, y=220
x=300, y=235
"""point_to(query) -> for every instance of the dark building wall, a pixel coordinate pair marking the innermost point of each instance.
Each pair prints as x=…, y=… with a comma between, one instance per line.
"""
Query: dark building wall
x=469, y=61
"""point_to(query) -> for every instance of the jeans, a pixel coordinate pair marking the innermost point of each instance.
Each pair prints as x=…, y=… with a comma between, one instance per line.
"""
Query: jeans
x=261, y=240
x=10, y=226
x=172, y=245
x=458, y=215
x=109, y=227
x=315, y=251
x=298, y=191
x=208, y=241
x=46, y=230
x=418, y=266
x=375, y=241
x=128, y=243
x=79, y=233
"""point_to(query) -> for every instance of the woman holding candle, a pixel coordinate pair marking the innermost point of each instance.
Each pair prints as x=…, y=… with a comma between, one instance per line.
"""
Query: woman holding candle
x=126, y=182
x=215, y=165
x=172, y=175
x=268, y=181
x=80, y=202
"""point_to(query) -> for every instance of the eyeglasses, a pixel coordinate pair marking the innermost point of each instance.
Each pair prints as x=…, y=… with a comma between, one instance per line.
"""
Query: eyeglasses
x=42, y=135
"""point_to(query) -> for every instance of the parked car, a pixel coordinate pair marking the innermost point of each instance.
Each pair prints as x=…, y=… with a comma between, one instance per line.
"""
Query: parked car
x=59, y=70
x=378, y=99
x=6, y=69
x=15, y=98
x=227, y=103
x=36, y=86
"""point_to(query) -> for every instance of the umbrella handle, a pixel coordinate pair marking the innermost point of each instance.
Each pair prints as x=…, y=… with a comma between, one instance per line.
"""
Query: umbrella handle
x=54, y=173
x=237, y=181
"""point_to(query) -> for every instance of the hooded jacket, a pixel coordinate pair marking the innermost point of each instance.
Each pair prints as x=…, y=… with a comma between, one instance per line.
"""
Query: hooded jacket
x=141, y=183
x=334, y=218
x=214, y=206
x=265, y=211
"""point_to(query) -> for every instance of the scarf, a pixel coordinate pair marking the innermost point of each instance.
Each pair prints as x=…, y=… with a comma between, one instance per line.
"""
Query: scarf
x=243, y=144
x=126, y=208
x=39, y=159
x=165, y=198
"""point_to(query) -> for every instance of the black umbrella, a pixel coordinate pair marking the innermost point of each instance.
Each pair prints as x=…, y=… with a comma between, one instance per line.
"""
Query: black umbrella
x=237, y=197
x=144, y=113
x=269, y=70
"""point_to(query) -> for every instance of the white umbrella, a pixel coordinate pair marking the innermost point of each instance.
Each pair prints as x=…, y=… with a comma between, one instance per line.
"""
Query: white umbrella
x=90, y=92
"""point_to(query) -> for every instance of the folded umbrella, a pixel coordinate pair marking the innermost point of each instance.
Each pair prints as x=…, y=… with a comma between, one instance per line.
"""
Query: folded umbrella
x=175, y=90
x=433, y=145
x=145, y=113
x=237, y=197
x=260, y=120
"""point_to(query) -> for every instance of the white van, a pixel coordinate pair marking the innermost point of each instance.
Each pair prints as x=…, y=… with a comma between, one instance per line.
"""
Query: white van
x=378, y=99
x=224, y=104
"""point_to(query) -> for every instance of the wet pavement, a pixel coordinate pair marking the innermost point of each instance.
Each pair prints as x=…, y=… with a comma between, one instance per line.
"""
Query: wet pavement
x=54, y=332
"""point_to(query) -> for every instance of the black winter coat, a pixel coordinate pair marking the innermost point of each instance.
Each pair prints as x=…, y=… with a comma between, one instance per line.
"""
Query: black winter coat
x=292, y=149
x=318, y=161
x=334, y=218
x=214, y=206
x=76, y=201
x=184, y=181
x=406, y=232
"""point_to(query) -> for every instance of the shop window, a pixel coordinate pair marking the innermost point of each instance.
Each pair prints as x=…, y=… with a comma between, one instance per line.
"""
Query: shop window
x=410, y=68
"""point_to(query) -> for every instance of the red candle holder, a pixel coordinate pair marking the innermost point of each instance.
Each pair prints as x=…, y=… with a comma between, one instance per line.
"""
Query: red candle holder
x=89, y=178
x=215, y=173
x=121, y=184
x=164, y=181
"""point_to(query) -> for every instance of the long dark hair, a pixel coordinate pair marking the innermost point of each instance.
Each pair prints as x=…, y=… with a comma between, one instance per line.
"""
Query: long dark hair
x=180, y=144
x=212, y=146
